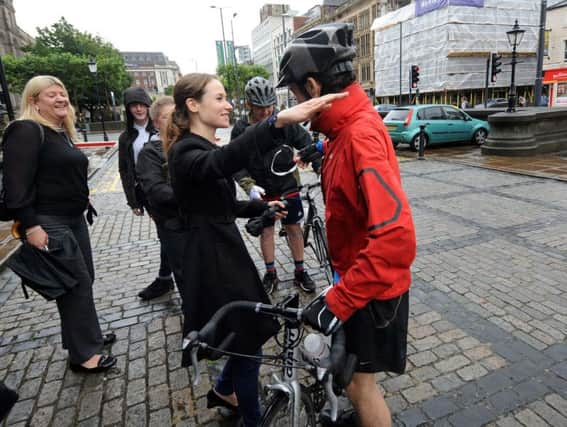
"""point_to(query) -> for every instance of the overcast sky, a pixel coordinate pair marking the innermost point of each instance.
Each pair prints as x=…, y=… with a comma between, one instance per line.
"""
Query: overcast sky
x=185, y=30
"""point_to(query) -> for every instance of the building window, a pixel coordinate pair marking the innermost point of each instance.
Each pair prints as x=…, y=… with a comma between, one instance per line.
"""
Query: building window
x=565, y=50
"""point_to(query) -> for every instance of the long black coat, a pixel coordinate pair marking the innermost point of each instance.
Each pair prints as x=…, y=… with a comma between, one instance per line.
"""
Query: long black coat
x=217, y=266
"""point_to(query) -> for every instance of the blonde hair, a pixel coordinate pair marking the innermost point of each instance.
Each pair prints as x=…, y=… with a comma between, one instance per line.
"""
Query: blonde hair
x=158, y=104
x=33, y=88
x=189, y=86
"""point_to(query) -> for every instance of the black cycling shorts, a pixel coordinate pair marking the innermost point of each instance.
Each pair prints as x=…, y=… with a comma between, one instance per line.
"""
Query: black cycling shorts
x=377, y=334
x=294, y=210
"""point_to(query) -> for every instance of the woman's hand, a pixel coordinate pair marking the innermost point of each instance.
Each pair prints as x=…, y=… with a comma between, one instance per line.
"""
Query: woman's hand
x=304, y=111
x=280, y=214
x=37, y=237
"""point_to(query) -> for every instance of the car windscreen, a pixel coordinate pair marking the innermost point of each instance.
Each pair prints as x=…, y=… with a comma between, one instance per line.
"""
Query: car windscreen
x=397, y=115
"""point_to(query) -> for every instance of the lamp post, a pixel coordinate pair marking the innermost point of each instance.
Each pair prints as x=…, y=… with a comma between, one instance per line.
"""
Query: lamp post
x=515, y=36
x=93, y=69
x=223, y=38
x=235, y=65
x=285, y=15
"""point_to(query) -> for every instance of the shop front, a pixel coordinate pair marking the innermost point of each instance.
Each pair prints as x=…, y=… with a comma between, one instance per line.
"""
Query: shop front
x=556, y=82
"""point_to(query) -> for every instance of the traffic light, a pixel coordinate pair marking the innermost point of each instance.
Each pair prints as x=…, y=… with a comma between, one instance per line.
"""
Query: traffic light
x=414, y=76
x=496, y=62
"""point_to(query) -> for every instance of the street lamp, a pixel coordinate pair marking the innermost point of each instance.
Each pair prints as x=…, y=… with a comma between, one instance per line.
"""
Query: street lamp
x=515, y=36
x=285, y=15
x=222, y=27
x=235, y=65
x=92, y=69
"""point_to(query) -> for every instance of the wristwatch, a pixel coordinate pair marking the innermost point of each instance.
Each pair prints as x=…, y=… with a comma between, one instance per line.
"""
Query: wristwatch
x=272, y=119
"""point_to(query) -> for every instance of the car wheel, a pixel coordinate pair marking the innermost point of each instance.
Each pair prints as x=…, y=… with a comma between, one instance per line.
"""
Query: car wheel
x=395, y=143
x=479, y=137
x=414, y=144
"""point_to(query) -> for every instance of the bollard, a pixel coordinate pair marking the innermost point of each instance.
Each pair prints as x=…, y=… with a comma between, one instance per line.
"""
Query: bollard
x=421, y=155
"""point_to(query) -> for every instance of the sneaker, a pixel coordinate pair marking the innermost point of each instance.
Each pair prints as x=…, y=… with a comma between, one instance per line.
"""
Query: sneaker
x=270, y=281
x=156, y=289
x=304, y=281
x=8, y=398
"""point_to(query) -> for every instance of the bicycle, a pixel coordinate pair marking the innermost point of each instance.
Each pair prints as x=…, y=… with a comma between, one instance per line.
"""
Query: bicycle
x=315, y=224
x=292, y=403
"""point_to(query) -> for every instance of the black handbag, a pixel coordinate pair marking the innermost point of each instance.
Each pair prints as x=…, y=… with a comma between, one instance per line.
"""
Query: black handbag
x=53, y=272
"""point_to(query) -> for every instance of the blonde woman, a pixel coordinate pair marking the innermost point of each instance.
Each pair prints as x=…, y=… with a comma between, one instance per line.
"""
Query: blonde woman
x=45, y=182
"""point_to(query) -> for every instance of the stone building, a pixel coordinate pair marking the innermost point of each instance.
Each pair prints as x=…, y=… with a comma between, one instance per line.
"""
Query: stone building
x=151, y=70
x=12, y=37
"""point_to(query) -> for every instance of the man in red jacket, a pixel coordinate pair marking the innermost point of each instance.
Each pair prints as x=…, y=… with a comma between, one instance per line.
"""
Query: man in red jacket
x=369, y=223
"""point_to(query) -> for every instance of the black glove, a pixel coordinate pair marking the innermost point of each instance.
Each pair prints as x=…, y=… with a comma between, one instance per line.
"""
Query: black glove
x=254, y=226
x=317, y=315
x=309, y=154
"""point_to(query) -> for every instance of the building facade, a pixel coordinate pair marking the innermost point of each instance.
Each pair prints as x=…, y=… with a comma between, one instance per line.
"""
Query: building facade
x=451, y=43
x=243, y=54
x=12, y=37
x=555, y=64
x=151, y=70
x=361, y=13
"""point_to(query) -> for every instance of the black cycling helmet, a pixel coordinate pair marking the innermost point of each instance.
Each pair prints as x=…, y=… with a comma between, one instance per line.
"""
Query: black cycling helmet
x=324, y=49
x=260, y=92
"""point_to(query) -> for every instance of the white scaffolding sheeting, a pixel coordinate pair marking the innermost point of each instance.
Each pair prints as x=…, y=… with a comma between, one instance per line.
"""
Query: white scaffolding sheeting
x=451, y=45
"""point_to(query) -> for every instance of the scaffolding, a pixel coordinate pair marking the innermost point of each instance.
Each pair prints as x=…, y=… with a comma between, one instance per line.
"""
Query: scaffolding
x=451, y=46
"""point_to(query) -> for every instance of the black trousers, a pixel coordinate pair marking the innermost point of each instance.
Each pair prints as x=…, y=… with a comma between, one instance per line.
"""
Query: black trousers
x=80, y=328
x=172, y=245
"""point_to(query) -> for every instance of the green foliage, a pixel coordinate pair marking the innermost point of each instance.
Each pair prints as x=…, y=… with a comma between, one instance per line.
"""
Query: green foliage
x=63, y=51
x=244, y=72
x=168, y=91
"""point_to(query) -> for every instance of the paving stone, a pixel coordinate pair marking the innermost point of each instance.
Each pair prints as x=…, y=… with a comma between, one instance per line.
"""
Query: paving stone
x=472, y=372
x=137, y=369
x=29, y=389
x=419, y=393
x=530, y=418
x=42, y=417
x=397, y=383
x=90, y=405
x=158, y=397
x=69, y=397
x=160, y=418
x=64, y=418
x=136, y=392
x=446, y=382
x=547, y=413
x=49, y=393
x=439, y=407
x=21, y=411
x=112, y=412
x=476, y=415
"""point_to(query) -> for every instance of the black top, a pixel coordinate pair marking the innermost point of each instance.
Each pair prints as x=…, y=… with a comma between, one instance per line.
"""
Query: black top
x=48, y=177
x=258, y=165
x=153, y=177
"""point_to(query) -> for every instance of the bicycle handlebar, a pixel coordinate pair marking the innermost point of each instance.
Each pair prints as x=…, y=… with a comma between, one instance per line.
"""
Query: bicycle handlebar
x=334, y=364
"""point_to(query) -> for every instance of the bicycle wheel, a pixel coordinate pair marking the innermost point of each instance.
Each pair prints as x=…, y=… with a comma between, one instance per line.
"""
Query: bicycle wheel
x=278, y=412
x=321, y=249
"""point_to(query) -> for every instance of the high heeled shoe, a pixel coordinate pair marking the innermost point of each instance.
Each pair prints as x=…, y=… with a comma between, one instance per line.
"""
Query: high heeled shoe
x=213, y=401
x=104, y=364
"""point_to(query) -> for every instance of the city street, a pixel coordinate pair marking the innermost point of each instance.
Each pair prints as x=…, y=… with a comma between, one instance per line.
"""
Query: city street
x=488, y=316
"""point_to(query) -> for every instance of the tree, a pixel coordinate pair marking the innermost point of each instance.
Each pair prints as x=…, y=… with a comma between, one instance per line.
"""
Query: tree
x=63, y=51
x=244, y=72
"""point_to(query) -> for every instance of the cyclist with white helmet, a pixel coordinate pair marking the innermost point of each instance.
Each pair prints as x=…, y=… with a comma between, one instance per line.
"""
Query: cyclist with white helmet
x=261, y=181
x=370, y=229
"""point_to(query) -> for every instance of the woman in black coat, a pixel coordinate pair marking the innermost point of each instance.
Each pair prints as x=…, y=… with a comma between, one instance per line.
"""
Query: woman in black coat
x=217, y=266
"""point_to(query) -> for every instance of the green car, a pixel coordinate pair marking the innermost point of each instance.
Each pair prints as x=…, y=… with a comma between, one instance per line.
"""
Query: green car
x=443, y=123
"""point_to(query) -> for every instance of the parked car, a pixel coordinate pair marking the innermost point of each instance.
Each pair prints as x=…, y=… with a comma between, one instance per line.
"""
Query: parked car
x=384, y=109
x=444, y=123
x=494, y=103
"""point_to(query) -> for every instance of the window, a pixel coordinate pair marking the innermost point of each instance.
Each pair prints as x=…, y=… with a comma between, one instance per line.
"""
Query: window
x=453, y=114
x=565, y=50
x=432, y=113
x=374, y=12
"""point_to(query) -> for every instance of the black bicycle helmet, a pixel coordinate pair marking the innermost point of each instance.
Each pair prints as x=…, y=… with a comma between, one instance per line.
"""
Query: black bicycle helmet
x=260, y=92
x=324, y=49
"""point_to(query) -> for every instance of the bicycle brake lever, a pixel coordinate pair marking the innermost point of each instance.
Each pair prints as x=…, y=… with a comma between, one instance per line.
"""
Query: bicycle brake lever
x=187, y=342
x=332, y=398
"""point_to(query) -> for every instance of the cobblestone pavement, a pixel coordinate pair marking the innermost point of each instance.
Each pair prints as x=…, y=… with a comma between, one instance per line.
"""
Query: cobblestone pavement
x=487, y=328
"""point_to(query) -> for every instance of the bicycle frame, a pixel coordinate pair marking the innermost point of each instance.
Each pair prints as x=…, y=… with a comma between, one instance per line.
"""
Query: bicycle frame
x=288, y=383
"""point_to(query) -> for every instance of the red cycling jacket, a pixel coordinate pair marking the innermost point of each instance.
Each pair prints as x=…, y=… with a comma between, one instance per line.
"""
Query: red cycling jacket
x=369, y=223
